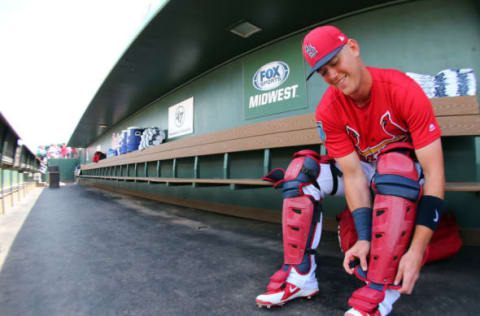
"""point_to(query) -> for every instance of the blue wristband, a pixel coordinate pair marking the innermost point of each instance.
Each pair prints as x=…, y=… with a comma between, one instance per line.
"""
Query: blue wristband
x=362, y=217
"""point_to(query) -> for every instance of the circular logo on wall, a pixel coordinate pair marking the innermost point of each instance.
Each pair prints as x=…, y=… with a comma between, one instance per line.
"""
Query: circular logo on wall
x=270, y=75
x=179, y=116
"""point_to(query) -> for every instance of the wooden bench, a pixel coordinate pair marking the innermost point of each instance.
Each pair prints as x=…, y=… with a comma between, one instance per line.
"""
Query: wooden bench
x=457, y=116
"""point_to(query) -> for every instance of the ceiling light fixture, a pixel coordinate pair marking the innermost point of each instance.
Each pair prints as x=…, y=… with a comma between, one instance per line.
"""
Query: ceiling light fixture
x=244, y=29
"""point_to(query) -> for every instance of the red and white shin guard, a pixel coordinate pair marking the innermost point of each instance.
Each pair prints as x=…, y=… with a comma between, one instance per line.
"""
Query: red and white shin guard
x=301, y=226
x=394, y=211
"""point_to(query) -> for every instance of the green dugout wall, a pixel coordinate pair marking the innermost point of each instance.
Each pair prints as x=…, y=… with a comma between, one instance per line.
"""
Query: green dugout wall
x=419, y=36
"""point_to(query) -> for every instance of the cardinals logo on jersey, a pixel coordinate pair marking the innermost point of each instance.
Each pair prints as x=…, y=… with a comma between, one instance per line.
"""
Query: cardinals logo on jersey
x=393, y=132
x=389, y=126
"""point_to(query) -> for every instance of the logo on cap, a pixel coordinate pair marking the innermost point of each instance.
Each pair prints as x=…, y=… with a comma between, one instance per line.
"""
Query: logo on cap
x=310, y=50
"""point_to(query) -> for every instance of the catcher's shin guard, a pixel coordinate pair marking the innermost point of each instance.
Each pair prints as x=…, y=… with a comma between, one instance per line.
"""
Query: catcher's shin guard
x=299, y=210
x=301, y=224
x=394, y=209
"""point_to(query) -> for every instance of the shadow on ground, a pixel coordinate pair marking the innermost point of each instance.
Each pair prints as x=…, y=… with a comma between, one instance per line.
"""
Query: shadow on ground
x=83, y=251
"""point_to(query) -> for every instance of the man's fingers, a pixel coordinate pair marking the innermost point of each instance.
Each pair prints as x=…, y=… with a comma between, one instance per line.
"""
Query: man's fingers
x=399, y=276
x=346, y=263
x=408, y=284
x=406, y=288
x=403, y=289
x=363, y=263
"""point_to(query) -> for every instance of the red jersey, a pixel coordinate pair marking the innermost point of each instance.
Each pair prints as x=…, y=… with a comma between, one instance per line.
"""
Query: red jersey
x=398, y=111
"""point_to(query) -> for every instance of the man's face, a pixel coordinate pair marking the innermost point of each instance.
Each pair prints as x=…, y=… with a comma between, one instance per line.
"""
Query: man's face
x=343, y=71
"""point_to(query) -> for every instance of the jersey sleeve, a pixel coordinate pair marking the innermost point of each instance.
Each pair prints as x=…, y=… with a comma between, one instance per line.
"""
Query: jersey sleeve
x=419, y=115
x=332, y=130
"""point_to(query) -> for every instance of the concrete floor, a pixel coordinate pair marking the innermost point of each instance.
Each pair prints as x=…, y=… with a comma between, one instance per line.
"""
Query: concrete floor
x=82, y=251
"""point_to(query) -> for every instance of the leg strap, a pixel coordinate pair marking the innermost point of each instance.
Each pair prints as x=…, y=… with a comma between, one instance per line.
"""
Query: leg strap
x=336, y=173
x=278, y=279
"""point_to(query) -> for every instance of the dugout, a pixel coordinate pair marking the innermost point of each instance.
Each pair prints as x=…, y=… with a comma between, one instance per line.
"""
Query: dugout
x=188, y=56
x=17, y=166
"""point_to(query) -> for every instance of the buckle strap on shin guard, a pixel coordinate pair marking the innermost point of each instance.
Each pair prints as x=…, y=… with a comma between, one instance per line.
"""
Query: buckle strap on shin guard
x=311, y=251
x=275, y=176
x=278, y=279
x=312, y=176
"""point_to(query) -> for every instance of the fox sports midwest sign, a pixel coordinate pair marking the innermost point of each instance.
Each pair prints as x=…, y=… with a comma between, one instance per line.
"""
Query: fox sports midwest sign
x=267, y=78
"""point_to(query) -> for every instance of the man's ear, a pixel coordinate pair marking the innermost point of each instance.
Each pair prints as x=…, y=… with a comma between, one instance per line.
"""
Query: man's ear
x=354, y=47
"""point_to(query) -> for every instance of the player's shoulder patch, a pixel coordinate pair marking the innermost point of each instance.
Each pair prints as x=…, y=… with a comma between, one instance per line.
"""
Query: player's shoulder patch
x=323, y=136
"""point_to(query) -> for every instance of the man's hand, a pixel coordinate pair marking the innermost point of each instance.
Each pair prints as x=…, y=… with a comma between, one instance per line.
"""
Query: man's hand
x=360, y=250
x=409, y=270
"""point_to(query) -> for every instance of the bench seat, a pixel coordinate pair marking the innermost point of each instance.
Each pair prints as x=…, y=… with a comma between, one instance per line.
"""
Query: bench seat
x=450, y=186
x=457, y=116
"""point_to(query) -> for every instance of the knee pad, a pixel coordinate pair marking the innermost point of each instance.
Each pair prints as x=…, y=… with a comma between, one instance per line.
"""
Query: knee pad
x=394, y=210
x=302, y=171
x=300, y=212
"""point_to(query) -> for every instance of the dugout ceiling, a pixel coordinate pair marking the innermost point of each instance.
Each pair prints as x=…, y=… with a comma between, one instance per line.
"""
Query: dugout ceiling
x=190, y=37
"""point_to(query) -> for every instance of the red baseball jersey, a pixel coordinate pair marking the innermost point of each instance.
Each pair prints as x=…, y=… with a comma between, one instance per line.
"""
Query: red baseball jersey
x=398, y=111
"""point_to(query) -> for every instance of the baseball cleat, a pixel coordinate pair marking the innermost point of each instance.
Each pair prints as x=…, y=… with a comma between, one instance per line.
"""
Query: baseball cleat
x=355, y=312
x=282, y=296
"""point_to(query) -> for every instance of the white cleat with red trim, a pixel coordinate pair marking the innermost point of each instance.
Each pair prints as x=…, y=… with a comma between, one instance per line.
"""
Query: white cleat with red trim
x=354, y=312
x=281, y=296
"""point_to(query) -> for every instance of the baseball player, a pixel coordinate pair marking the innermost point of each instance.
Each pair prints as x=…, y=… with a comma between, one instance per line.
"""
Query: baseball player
x=385, y=157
